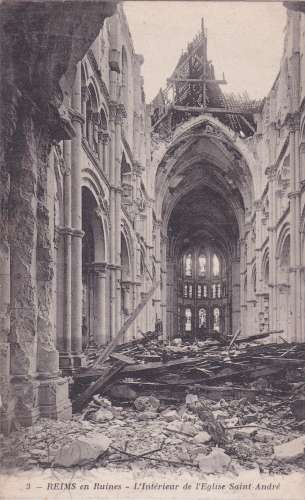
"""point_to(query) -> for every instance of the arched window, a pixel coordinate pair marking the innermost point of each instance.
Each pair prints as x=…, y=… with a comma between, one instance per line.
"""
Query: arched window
x=215, y=266
x=124, y=81
x=92, y=119
x=202, y=317
x=202, y=263
x=266, y=275
x=188, y=265
x=188, y=319
x=216, y=319
x=254, y=279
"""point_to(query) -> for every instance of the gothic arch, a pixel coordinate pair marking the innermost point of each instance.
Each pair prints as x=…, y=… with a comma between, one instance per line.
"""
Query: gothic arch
x=265, y=267
x=284, y=233
x=166, y=154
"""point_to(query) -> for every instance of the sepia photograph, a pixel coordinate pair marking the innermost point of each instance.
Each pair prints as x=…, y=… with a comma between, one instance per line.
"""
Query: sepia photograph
x=152, y=250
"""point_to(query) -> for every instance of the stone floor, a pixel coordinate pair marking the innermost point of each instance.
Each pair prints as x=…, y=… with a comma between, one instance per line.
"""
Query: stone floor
x=172, y=438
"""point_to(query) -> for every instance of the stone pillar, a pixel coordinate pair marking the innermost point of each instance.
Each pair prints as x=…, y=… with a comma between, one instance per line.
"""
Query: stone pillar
x=113, y=232
x=100, y=336
x=76, y=206
x=5, y=411
x=235, y=294
x=243, y=306
x=64, y=340
x=273, y=325
x=105, y=139
x=295, y=235
x=164, y=286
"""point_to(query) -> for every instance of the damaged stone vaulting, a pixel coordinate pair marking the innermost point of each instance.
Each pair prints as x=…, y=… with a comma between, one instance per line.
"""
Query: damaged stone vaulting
x=152, y=255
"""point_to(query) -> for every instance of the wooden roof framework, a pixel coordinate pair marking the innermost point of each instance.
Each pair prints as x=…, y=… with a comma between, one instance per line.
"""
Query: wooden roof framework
x=193, y=89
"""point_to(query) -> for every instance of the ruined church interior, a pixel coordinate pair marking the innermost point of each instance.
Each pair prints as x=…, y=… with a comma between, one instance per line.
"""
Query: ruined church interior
x=152, y=254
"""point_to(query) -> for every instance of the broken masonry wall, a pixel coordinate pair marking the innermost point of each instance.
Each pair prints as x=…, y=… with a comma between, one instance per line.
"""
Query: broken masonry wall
x=278, y=215
x=36, y=52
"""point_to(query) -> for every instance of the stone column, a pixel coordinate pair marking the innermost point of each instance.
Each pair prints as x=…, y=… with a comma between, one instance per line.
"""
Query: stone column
x=100, y=336
x=271, y=172
x=112, y=209
x=164, y=286
x=5, y=412
x=295, y=235
x=235, y=294
x=120, y=115
x=243, y=271
x=105, y=139
x=64, y=343
x=76, y=206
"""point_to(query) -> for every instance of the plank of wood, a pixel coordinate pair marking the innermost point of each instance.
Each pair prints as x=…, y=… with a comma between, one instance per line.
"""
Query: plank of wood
x=110, y=347
x=97, y=386
x=158, y=365
x=122, y=357
x=236, y=334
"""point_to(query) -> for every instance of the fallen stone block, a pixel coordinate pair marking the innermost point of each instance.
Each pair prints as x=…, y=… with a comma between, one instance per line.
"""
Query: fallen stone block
x=174, y=426
x=169, y=415
x=189, y=428
x=245, y=432
x=249, y=418
x=147, y=415
x=202, y=437
x=195, y=451
x=105, y=403
x=290, y=451
x=218, y=414
x=191, y=398
x=150, y=403
x=217, y=461
x=103, y=415
x=82, y=450
x=231, y=422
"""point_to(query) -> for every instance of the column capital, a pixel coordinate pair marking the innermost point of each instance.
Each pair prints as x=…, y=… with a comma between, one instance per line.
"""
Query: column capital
x=271, y=172
x=77, y=232
x=293, y=194
x=120, y=114
x=75, y=116
x=293, y=121
x=117, y=112
x=85, y=93
x=99, y=268
x=65, y=230
x=104, y=137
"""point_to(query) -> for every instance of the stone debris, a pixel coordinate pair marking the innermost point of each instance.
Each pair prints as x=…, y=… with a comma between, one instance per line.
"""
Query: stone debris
x=290, y=451
x=172, y=416
x=169, y=415
x=216, y=462
x=202, y=437
x=245, y=432
x=147, y=403
x=103, y=415
x=81, y=451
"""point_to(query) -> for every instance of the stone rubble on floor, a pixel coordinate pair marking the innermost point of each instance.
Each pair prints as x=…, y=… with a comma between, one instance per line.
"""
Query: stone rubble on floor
x=171, y=436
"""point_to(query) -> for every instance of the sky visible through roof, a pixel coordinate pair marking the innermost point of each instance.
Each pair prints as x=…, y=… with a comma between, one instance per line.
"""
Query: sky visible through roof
x=245, y=40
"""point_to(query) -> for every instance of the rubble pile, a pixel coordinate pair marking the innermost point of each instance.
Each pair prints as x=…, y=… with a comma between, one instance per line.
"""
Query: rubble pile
x=204, y=407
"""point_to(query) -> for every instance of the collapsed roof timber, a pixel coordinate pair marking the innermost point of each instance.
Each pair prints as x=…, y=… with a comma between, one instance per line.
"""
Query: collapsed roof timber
x=184, y=218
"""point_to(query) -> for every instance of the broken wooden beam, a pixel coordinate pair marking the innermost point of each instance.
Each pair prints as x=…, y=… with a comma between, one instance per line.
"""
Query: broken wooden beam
x=110, y=347
x=97, y=386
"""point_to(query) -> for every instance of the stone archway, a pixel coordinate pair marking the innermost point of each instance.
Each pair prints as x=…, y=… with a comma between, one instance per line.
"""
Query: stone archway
x=284, y=308
x=204, y=192
x=93, y=273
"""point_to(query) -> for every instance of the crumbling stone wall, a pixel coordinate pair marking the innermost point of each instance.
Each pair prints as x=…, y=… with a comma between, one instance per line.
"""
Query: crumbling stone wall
x=41, y=42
